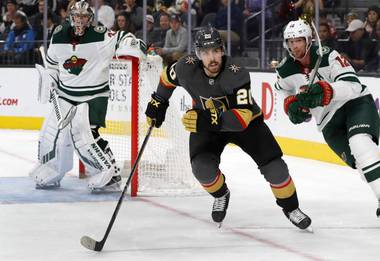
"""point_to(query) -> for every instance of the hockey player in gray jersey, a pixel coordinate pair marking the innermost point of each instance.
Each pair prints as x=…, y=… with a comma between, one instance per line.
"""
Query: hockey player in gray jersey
x=224, y=112
x=342, y=107
x=77, y=68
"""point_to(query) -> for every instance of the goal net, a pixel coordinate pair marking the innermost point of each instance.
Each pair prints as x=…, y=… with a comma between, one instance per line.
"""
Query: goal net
x=164, y=168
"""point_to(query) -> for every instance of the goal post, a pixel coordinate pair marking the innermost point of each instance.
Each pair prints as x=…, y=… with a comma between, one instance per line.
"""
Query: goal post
x=164, y=169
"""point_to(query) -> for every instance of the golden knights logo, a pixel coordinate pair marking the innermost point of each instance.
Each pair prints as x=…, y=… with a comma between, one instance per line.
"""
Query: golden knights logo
x=74, y=65
x=219, y=103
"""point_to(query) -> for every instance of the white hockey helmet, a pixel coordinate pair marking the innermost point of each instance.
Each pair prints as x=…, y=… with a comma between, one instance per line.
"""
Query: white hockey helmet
x=296, y=29
x=131, y=46
x=77, y=11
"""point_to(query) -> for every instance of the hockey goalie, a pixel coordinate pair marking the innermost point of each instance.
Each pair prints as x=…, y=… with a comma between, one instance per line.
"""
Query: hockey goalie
x=75, y=80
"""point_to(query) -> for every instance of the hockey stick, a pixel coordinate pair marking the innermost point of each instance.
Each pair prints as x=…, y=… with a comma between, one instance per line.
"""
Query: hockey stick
x=320, y=54
x=91, y=243
x=62, y=122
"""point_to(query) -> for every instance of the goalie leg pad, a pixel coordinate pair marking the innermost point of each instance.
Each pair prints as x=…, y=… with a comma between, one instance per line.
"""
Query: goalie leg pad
x=55, y=152
x=366, y=154
x=93, y=150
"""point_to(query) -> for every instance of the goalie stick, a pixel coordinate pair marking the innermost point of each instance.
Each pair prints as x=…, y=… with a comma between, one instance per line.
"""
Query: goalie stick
x=62, y=121
x=91, y=243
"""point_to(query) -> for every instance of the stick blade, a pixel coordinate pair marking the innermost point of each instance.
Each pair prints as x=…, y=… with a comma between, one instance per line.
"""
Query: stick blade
x=90, y=243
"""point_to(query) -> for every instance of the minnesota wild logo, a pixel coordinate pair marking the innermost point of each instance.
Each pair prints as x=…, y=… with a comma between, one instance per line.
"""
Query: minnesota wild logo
x=74, y=65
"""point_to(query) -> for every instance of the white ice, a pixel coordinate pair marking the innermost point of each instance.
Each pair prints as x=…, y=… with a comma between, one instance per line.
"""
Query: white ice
x=340, y=204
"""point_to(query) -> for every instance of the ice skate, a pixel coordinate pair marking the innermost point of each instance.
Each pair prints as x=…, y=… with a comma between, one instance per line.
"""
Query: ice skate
x=219, y=208
x=46, y=177
x=299, y=219
x=106, y=181
x=378, y=209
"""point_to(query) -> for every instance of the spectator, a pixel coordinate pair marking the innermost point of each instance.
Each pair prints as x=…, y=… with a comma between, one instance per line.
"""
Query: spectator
x=19, y=43
x=159, y=34
x=347, y=20
x=372, y=17
x=106, y=14
x=36, y=20
x=123, y=23
x=51, y=24
x=182, y=7
x=236, y=23
x=149, y=30
x=135, y=12
x=359, y=49
x=326, y=37
x=175, y=41
x=8, y=18
x=307, y=7
x=161, y=9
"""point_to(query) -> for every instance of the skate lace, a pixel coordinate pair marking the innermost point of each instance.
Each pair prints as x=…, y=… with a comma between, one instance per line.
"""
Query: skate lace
x=297, y=216
x=220, y=203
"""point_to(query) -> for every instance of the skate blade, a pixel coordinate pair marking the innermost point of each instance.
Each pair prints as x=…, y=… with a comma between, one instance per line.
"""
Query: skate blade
x=109, y=189
x=47, y=187
x=309, y=229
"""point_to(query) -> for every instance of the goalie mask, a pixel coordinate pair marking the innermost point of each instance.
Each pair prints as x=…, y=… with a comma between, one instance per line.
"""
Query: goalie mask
x=297, y=29
x=207, y=37
x=81, y=17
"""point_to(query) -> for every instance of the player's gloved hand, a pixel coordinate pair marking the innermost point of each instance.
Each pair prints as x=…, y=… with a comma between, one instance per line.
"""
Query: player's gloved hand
x=201, y=120
x=156, y=110
x=317, y=94
x=293, y=109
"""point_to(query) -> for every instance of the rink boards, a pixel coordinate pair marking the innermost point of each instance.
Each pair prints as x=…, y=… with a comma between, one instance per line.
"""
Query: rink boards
x=19, y=109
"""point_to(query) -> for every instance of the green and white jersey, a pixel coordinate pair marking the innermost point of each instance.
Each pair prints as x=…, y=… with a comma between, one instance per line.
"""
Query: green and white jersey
x=334, y=69
x=80, y=65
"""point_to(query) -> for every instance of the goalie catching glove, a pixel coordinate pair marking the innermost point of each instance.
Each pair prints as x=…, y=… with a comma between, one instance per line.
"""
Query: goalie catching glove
x=297, y=114
x=156, y=110
x=196, y=120
x=316, y=94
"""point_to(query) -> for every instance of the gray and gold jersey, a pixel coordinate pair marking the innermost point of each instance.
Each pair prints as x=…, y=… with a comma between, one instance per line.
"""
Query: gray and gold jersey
x=230, y=90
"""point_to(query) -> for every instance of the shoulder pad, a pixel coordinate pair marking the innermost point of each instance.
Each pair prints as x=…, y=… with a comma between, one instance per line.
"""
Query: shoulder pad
x=58, y=29
x=100, y=29
x=283, y=61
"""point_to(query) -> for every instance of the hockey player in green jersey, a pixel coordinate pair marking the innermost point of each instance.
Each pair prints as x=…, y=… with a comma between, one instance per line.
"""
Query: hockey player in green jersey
x=77, y=68
x=342, y=107
x=224, y=112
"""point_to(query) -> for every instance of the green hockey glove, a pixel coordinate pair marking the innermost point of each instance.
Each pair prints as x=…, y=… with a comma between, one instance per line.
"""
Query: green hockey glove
x=296, y=113
x=316, y=94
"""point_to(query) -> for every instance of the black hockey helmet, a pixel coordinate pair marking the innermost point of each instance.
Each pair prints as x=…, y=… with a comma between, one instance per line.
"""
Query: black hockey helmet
x=207, y=37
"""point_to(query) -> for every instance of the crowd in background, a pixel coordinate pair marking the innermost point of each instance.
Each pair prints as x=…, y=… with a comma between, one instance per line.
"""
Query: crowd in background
x=355, y=34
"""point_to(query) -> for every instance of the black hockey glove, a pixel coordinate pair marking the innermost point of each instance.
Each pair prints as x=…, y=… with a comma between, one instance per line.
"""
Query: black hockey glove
x=156, y=110
x=201, y=120
x=296, y=113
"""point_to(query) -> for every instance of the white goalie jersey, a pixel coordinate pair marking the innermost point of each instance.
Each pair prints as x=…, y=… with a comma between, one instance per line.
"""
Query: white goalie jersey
x=68, y=59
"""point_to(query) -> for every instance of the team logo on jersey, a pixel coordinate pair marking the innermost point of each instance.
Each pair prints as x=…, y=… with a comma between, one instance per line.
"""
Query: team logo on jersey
x=74, y=65
x=220, y=103
x=190, y=60
x=234, y=68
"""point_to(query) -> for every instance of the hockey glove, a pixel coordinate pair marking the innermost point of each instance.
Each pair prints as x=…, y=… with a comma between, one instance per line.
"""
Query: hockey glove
x=296, y=113
x=317, y=94
x=156, y=109
x=201, y=120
